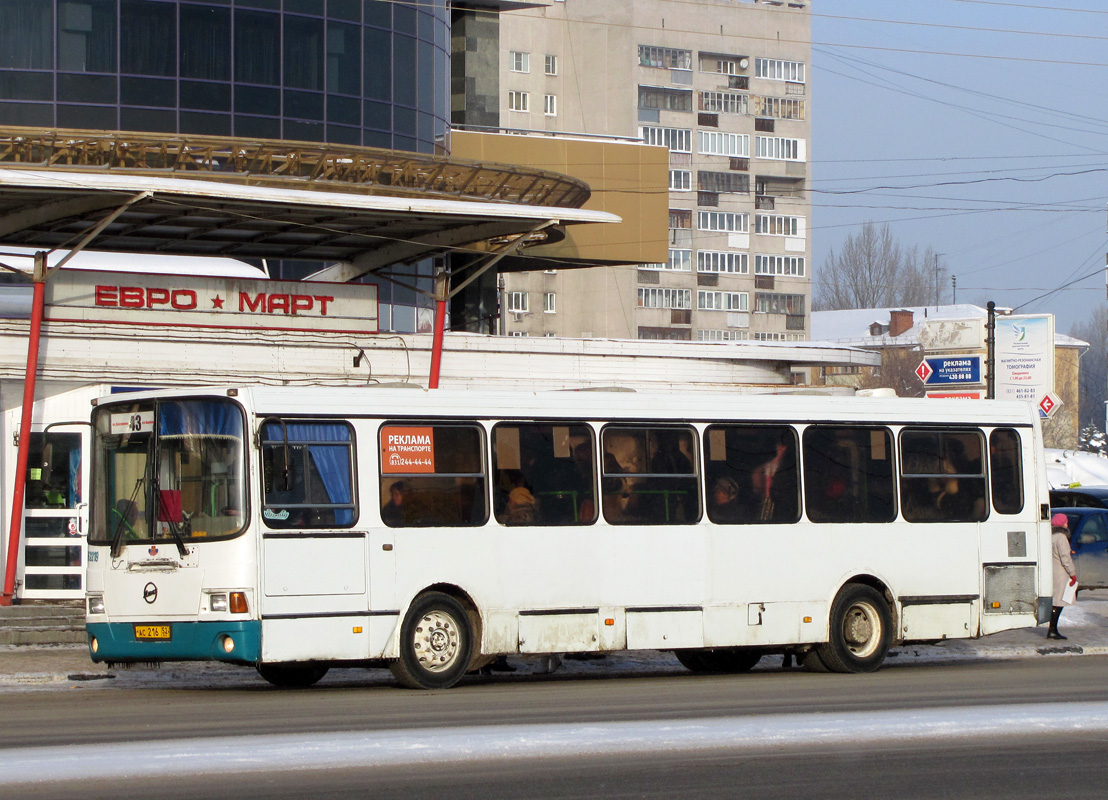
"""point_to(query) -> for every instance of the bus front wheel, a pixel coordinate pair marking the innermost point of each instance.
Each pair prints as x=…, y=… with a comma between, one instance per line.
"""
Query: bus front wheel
x=292, y=676
x=436, y=643
x=860, y=631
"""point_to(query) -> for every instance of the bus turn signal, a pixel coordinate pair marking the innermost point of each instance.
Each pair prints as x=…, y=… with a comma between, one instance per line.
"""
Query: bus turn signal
x=238, y=603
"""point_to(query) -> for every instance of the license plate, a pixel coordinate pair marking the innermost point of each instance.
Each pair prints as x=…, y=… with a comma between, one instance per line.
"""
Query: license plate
x=152, y=632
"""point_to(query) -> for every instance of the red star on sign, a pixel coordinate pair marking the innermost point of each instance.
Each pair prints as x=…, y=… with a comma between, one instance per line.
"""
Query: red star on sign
x=924, y=371
x=217, y=302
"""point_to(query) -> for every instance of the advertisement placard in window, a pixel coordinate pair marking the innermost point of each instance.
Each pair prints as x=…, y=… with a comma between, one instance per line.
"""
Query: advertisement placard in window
x=407, y=450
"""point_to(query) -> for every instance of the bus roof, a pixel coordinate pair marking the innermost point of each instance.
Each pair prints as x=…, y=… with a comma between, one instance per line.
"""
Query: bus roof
x=384, y=402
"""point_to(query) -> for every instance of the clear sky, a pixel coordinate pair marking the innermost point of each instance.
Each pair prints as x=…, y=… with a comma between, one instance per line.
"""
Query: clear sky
x=976, y=127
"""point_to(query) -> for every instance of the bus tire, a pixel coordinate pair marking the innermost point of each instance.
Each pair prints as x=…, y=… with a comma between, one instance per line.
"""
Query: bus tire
x=860, y=631
x=719, y=662
x=813, y=663
x=436, y=643
x=292, y=676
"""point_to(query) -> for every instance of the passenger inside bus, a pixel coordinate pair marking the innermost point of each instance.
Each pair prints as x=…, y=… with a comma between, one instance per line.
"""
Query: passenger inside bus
x=726, y=505
x=392, y=513
x=126, y=515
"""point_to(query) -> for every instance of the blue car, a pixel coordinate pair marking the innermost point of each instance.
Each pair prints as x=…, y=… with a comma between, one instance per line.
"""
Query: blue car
x=1089, y=543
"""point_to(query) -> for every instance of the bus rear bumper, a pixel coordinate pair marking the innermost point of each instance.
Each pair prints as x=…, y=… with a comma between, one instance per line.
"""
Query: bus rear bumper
x=229, y=641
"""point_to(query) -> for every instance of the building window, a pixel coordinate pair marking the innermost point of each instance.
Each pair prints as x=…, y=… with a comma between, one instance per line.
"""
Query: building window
x=517, y=302
x=550, y=105
x=777, y=70
x=680, y=219
x=664, y=298
x=722, y=301
x=551, y=65
x=519, y=101
x=678, y=140
x=669, y=334
x=518, y=333
x=724, y=102
x=664, y=57
x=771, y=225
x=521, y=62
x=722, y=182
x=788, y=266
x=779, y=107
x=770, y=303
x=722, y=221
x=679, y=261
x=778, y=148
x=680, y=180
x=665, y=99
x=548, y=303
x=714, y=143
x=721, y=336
x=722, y=261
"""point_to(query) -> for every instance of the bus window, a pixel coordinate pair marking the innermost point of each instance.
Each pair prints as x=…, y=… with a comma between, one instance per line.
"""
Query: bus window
x=543, y=474
x=1004, y=471
x=750, y=474
x=649, y=476
x=942, y=475
x=848, y=474
x=432, y=475
x=308, y=476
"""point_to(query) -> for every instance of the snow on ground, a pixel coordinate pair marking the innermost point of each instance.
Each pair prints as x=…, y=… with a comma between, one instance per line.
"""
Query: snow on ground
x=1075, y=467
x=502, y=743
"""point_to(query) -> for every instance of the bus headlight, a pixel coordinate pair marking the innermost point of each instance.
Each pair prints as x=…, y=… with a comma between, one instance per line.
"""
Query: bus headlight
x=227, y=642
x=96, y=604
x=217, y=603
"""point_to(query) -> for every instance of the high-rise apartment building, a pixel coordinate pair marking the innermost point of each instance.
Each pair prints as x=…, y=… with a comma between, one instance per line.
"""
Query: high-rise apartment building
x=723, y=84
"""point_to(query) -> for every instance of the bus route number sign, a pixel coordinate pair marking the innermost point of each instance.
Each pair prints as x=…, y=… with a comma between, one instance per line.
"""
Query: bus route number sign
x=133, y=422
x=407, y=450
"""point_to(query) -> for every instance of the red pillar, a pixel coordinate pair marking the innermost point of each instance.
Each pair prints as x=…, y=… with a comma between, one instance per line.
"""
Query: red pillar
x=436, y=344
x=16, y=528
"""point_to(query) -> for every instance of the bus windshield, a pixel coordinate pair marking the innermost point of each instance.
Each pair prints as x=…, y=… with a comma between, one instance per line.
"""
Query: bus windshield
x=168, y=470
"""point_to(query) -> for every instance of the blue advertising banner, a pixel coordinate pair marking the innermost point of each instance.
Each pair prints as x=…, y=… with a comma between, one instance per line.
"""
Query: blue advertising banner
x=950, y=370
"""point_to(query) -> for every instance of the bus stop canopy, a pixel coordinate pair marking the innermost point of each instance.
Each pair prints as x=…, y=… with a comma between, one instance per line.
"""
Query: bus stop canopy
x=275, y=200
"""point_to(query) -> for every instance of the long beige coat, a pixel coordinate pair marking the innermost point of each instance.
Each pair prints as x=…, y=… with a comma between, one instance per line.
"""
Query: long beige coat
x=1063, y=564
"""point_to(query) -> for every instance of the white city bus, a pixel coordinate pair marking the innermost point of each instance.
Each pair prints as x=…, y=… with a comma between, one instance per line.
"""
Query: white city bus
x=299, y=529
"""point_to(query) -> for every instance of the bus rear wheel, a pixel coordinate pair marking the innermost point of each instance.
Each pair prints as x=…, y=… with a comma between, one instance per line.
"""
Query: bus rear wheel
x=718, y=661
x=860, y=631
x=292, y=676
x=436, y=643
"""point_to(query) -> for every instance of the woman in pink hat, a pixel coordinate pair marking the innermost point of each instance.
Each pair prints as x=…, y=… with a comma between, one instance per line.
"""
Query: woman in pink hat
x=1064, y=571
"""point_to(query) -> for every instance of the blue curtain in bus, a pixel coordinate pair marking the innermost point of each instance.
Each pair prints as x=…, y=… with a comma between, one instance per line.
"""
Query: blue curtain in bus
x=200, y=417
x=333, y=463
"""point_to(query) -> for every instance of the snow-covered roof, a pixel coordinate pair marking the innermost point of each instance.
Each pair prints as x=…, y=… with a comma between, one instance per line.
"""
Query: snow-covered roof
x=852, y=326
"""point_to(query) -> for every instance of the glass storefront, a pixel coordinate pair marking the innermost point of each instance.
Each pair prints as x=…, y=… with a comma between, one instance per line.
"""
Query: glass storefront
x=362, y=72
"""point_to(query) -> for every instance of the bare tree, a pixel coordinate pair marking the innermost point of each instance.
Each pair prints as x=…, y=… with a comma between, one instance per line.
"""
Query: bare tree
x=1093, y=380
x=897, y=372
x=922, y=280
x=872, y=270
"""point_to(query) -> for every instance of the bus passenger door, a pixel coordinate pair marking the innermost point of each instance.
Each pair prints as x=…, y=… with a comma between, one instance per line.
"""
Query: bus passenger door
x=55, y=516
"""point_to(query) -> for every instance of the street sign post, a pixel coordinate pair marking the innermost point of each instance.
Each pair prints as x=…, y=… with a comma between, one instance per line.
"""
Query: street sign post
x=1049, y=404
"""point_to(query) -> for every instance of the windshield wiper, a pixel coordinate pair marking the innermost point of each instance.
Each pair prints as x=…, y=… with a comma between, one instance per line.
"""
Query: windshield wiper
x=124, y=524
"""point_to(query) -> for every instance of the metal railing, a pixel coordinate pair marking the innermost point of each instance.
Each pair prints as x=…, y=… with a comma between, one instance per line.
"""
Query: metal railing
x=300, y=165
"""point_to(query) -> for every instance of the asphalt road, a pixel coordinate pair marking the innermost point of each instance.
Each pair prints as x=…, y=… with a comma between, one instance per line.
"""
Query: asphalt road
x=1015, y=762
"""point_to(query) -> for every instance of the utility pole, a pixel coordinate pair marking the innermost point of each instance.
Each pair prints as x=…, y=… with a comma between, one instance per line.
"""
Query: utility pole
x=954, y=289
